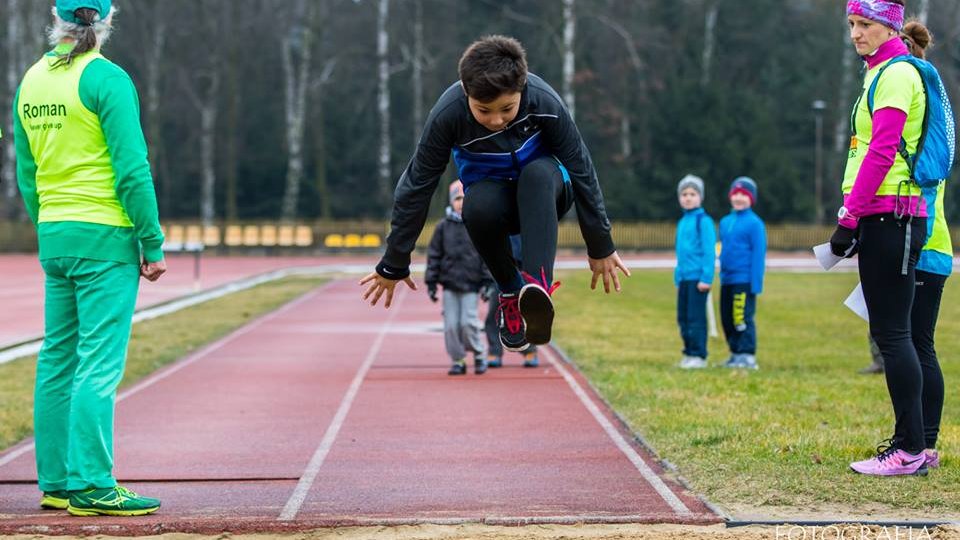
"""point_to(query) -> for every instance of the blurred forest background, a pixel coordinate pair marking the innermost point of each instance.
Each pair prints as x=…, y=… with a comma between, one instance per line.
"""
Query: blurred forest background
x=297, y=110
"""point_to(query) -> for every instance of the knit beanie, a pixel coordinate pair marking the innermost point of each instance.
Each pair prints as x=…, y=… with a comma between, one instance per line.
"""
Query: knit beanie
x=746, y=186
x=691, y=181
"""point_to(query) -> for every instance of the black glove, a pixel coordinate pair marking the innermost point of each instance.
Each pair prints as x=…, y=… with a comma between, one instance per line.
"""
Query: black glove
x=845, y=242
x=432, y=292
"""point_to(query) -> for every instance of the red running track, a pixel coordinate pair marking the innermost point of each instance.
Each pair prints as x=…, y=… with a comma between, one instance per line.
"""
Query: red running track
x=330, y=412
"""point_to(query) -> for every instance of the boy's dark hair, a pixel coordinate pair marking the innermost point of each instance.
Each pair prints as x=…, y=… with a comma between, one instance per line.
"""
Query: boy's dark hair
x=493, y=66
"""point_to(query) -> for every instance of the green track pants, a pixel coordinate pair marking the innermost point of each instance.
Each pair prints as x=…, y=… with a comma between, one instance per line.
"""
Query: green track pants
x=88, y=313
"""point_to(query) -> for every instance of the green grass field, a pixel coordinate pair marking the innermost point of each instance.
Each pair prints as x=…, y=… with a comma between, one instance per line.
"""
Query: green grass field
x=781, y=436
x=154, y=344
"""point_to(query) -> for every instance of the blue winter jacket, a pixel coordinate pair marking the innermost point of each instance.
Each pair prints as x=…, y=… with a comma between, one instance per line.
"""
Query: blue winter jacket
x=744, y=249
x=696, y=247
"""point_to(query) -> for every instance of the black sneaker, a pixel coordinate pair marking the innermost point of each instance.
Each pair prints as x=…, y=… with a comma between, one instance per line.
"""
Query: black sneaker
x=512, y=329
x=536, y=308
x=479, y=366
x=458, y=368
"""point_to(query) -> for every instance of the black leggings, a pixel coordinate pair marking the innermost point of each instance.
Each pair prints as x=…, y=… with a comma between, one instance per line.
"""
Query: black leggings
x=532, y=206
x=926, y=308
x=889, y=297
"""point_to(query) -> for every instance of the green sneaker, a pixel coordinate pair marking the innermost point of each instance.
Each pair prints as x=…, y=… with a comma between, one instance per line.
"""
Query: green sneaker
x=115, y=501
x=55, y=500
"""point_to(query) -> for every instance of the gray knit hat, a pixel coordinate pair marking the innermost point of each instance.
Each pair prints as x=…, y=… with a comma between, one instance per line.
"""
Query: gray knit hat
x=691, y=181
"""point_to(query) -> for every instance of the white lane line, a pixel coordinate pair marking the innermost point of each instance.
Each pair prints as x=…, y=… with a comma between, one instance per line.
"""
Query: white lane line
x=651, y=477
x=300, y=493
x=185, y=362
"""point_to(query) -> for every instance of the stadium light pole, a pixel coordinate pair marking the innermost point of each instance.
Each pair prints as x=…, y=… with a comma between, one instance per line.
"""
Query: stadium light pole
x=818, y=107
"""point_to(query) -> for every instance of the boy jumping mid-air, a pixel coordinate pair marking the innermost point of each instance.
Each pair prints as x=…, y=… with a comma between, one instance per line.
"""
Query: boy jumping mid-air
x=523, y=165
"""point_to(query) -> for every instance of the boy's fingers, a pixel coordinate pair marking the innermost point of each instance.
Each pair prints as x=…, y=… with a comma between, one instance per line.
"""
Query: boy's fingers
x=366, y=279
x=593, y=281
x=616, y=280
x=370, y=290
x=376, y=297
x=410, y=283
x=389, y=299
x=606, y=282
x=623, y=268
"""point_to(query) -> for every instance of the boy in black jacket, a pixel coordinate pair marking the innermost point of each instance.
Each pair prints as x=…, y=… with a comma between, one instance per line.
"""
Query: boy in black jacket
x=454, y=263
x=523, y=165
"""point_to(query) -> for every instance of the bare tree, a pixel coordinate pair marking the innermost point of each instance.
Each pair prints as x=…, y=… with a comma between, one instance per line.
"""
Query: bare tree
x=25, y=40
x=569, y=35
x=709, y=41
x=14, y=46
x=924, y=12
x=626, y=142
x=202, y=87
x=320, y=140
x=383, y=101
x=417, y=59
x=151, y=21
x=296, y=75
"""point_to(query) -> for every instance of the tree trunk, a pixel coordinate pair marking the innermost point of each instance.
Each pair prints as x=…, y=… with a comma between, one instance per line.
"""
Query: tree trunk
x=320, y=163
x=154, y=73
x=841, y=131
x=417, y=71
x=14, y=54
x=296, y=76
x=383, y=104
x=231, y=150
x=569, y=35
x=709, y=41
x=626, y=146
x=923, y=14
x=208, y=133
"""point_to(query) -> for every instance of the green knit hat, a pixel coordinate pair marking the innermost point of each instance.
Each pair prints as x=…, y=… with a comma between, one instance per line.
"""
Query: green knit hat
x=66, y=9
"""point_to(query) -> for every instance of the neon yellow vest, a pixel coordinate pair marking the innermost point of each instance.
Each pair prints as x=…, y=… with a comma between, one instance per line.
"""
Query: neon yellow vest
x=75, y=178
x=901, y=87
x=940, y=238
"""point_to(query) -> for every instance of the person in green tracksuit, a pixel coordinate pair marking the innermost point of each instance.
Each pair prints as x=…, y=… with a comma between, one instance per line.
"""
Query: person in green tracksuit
x=83, y=173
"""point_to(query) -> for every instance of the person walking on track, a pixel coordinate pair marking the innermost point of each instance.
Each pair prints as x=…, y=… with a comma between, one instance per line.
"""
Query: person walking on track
x=454, y=264
x=83, y=173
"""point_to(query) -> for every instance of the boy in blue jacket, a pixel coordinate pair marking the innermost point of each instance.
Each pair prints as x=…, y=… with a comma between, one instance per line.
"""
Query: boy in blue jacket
x=696, y=238
x=742, y=261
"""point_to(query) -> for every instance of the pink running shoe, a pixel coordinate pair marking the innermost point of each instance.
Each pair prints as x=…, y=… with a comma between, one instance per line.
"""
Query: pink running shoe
x=891, y=461
x=933, y=458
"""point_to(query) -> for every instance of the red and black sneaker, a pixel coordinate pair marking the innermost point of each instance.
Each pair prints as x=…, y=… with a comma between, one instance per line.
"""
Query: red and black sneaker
x=512, y=330
x=536, y=307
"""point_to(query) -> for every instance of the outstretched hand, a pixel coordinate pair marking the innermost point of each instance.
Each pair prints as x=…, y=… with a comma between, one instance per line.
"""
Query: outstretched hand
x=607, y=269
x=380, y=285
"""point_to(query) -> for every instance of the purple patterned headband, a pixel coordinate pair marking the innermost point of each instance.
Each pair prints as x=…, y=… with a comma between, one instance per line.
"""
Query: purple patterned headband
x=882, y=11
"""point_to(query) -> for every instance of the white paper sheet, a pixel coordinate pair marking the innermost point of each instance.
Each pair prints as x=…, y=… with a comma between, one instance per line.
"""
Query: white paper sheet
x=857, y=303
x=825, y=257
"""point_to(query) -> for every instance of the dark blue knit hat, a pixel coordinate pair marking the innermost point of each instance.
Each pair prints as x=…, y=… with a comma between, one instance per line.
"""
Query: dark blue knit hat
x=746, y=186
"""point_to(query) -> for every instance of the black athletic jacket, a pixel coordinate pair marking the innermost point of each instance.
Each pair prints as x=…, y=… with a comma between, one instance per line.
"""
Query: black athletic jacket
x=543, y=126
